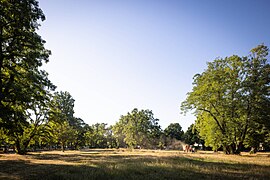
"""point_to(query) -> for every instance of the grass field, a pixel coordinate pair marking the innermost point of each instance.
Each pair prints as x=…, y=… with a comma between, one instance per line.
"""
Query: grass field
x=136, y=164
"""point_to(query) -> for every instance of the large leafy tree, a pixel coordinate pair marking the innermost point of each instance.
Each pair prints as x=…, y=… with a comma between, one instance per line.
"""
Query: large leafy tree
x=118, y=133
x=37, y=120
x=62, y=108
x=174, y=130
x=23, y=85
x=231, y=100
x=80, y=128
x=138, y=128
x=62, y=133
x=97, y=136
x=256, y=88
x=63, y=126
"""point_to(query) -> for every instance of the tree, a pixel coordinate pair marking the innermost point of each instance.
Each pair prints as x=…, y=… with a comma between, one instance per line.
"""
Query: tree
x=231, y=100
x=191, y=136
x=23, y=84
x=62, y=108
x=97, y=136
x=3, y=140
x=174, y=130
x=62, y=133
x=257, y=96
x=138, y=128
x=119, y=135
x=80, y=128
x=111, y=140
x=37, y=120
x=65, y=128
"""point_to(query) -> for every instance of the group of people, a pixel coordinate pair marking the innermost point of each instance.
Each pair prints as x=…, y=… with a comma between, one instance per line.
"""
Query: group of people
x=189, y=148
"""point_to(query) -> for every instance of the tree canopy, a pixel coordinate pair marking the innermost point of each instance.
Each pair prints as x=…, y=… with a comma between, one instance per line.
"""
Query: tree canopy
x=174, y=130
x=24, y=87
x=231, y=101
x=137, y=128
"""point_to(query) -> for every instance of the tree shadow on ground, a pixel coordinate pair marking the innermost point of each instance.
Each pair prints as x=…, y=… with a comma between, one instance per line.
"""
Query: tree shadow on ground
x=97, y=150
x=127, y=167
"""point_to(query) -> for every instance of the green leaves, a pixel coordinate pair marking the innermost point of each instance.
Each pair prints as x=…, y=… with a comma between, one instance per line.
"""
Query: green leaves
x=230, y=97
x=174, y=130
x=24, y=86
x=137, y=128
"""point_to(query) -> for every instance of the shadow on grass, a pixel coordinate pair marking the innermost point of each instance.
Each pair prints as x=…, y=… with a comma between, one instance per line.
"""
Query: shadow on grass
x=128, y=167
x=25, y=170
x=97, y=150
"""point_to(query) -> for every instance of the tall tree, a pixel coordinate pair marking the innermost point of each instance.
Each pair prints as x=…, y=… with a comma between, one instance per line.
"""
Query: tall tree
x=118, y=132
x=80, y=129
x=62, y=108
x=61, y=117
x=139, y=128
x=227, y=98
x=23, y=84
x=256, y=90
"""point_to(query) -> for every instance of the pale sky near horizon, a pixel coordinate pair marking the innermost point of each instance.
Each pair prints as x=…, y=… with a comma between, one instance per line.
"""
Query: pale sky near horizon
x=116, y=55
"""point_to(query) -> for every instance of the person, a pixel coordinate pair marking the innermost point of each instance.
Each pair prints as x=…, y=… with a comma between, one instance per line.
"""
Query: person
x=190, y=148
x=186, y=148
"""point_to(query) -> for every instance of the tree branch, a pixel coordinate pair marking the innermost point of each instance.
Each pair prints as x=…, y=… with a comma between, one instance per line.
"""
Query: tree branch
x=215, y=118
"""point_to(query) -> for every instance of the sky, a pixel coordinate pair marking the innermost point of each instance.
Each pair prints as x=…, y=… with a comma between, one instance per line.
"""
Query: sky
x=116, y=55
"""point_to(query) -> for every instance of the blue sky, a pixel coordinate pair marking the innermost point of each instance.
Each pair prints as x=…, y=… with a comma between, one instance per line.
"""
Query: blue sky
x=116, y=55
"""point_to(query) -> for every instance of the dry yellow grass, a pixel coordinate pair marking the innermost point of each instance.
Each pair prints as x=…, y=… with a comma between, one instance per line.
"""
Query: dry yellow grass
x=133, y=164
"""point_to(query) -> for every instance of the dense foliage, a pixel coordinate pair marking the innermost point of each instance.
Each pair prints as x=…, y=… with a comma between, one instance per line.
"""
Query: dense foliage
x=24, y=87
x=138, y=129
x=174, y=130
x=231, y=101
x=191, y=136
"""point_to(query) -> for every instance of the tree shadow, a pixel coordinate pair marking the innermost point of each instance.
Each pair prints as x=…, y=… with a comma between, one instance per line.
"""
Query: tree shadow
x=20, y=169
x=127, y=167
x=97, y=150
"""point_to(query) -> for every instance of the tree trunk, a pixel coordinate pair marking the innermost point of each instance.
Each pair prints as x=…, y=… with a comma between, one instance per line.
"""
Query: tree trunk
x=5, y=149
x=230, y=149
x=239, y=148
x=1, y=83
x=76, y=145
x=63, y=146
x=19, y=149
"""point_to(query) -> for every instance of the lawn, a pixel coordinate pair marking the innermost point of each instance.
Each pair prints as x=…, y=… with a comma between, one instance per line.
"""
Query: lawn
x=136, y=164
